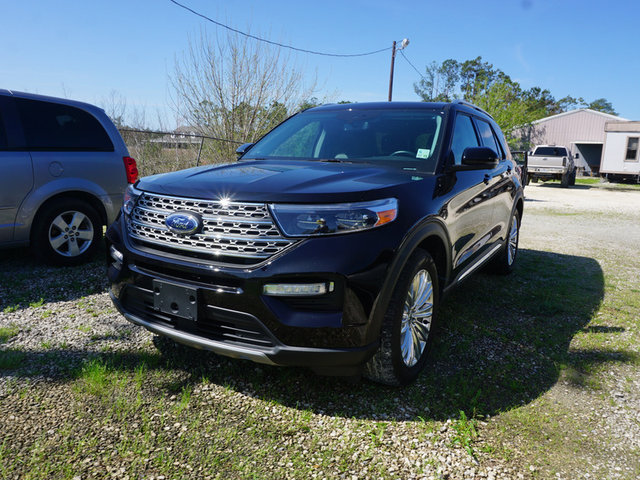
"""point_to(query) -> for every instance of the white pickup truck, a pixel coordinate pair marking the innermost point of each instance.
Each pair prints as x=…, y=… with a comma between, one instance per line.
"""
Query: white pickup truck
x=551, y=162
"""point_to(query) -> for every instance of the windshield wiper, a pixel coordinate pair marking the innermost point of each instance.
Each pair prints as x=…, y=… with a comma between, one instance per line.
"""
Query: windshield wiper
x=335, y=160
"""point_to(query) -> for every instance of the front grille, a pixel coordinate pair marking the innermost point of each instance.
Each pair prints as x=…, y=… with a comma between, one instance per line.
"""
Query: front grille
x=232, y=232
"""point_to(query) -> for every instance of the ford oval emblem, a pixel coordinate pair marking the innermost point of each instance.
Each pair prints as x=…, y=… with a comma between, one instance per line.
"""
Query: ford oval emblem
x=183, y=223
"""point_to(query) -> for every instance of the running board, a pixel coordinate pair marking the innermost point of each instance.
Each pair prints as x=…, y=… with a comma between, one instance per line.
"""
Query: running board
x=472, y=268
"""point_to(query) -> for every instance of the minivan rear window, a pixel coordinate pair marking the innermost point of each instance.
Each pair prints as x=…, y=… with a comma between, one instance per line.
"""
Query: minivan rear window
x=55, y=127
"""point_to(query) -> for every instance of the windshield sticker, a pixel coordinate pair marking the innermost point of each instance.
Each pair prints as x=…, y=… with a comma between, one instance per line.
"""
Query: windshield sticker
x=423, y=153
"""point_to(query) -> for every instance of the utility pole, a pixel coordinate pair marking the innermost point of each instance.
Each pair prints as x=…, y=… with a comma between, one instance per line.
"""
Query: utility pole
x=403, y=45
x=393, y=61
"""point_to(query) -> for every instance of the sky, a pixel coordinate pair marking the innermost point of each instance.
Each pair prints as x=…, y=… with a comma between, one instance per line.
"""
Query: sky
x=127, y=49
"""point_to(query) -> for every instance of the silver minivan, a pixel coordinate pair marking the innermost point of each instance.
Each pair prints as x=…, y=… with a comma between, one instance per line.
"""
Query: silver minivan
x=63, y=171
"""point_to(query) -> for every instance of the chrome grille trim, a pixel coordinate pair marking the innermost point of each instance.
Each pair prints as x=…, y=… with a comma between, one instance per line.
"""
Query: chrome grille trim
x=230, y=229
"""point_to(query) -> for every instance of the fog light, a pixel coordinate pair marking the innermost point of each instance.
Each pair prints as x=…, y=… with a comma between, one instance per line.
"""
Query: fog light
x=117, y=256
x=297, y=289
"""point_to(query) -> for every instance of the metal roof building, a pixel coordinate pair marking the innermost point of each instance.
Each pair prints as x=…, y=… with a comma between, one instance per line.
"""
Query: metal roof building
x=582, y=131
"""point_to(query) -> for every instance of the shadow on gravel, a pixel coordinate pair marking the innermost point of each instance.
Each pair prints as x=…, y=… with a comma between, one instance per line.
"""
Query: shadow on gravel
x=572, y=187
x=614, y=187
x=501, y=342
x=24, y=281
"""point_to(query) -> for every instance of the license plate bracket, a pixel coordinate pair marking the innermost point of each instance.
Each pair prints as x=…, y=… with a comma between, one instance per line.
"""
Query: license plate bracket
x=175, y=299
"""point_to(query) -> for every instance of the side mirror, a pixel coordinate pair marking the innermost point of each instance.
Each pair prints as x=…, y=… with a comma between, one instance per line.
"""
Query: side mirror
x=244, y=148
x=479, y=157
x=577, y=155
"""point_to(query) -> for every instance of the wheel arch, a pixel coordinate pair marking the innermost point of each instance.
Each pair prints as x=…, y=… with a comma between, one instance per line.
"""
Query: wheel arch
x=520, y=207
x=69, y=195
x=430, y=236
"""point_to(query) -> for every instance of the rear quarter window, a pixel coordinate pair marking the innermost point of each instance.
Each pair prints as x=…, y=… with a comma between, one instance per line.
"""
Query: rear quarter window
x=488, y=138
x=55, y=127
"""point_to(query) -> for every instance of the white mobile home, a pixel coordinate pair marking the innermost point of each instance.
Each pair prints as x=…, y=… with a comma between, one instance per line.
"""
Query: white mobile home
x=621, y=156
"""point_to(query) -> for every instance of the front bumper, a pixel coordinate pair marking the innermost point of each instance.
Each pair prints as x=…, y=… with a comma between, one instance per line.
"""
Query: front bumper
x=234, y=318
x=281, y=355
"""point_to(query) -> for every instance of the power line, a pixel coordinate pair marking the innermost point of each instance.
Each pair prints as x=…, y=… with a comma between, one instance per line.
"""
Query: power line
x=412, y=65
x=313, y=52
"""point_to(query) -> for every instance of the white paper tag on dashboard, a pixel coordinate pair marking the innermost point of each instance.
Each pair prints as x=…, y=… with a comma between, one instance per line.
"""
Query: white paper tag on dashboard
x=423, y=153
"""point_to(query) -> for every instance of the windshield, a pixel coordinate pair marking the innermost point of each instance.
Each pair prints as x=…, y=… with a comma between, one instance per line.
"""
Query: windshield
x=405, y=138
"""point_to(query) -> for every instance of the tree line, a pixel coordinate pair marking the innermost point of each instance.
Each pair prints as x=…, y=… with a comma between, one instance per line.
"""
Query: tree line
x=491, y=89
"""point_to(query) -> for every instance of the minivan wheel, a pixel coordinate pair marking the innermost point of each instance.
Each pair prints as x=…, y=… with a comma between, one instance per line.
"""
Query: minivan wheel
x=407, y=329
x=67, y=233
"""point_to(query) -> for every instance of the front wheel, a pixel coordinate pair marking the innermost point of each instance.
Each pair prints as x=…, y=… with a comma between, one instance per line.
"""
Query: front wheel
x=407, y=329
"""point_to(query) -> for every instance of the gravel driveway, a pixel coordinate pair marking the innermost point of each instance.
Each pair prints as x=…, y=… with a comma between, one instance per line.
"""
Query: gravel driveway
x=56, y=322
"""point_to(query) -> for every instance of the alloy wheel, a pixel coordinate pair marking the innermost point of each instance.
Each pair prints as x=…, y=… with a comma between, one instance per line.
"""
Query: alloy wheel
x=71, y=233
x=416, y=318
x=512, y=248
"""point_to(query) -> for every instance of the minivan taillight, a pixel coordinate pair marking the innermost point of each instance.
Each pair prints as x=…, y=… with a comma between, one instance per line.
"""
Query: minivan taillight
x=131, y=169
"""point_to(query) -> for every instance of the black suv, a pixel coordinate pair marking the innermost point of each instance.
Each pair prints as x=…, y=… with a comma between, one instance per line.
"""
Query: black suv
x=329, y=244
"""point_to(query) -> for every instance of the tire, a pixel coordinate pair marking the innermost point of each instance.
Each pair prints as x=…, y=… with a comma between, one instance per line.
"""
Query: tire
x=505, y=260
x=572, y=178
x=68, y=232
x=564, y=181
x=408, y=325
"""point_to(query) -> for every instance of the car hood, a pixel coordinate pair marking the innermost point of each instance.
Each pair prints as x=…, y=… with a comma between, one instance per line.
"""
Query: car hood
x=282, y=181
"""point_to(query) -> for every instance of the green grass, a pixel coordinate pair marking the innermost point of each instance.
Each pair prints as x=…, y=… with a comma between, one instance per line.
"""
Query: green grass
x=588, y=181
x=466, y=433
x=7, y=333
x=11, y=359
x=37, y=303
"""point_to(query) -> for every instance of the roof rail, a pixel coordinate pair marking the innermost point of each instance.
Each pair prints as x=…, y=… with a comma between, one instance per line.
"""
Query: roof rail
x=471, y=105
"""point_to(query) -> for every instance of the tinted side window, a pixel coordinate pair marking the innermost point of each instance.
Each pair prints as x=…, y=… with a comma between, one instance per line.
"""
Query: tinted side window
x=464, y=135
x=488, y=140
x=3, y=134
x=502, y=142
x=51, y=126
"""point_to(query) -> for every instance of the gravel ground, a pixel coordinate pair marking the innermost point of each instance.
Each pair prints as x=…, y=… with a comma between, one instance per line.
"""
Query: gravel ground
x=67, y=315
x=604, y=224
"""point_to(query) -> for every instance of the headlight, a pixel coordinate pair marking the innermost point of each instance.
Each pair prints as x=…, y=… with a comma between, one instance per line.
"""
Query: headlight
x=131, y=195
x=304, y=220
